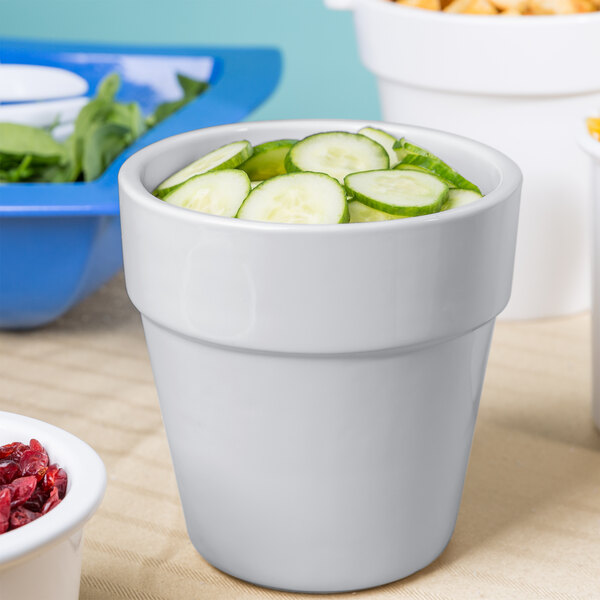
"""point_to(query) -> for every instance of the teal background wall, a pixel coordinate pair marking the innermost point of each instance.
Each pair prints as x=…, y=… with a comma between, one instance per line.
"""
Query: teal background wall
x=322, y=75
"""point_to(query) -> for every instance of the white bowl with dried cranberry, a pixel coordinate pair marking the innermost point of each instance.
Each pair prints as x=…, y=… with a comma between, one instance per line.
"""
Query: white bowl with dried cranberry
x=42, y=558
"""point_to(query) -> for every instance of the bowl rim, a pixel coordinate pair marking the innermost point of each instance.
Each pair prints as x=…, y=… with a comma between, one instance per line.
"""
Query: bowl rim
x=87, y=484
x=130, y=179
x=547, y=21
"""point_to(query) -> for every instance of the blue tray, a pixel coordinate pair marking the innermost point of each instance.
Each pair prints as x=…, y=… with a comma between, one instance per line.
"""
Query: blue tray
x=60, y=242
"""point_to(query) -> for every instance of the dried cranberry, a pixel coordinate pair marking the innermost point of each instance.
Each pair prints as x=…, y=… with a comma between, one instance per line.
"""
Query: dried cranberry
x=60, y=481
x=37, y=499
x=36, y=446
x=8, y=471
x=29, y=485
x=20, y=490
x=52, y=501
x=55, y=476
x=22, y=516
x=4, y=510
x=33, y=462
x=13, y=450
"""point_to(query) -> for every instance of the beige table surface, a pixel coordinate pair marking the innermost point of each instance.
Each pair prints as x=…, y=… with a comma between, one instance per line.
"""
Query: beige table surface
x=529, y=524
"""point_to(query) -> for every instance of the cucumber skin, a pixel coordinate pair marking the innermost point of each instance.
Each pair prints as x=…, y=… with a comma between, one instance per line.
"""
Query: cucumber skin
x=415, y=155
x=380, y=133
x=405, y=211
x=290, y=167
x=441, y=169
x=409, y=148
x=253, y=172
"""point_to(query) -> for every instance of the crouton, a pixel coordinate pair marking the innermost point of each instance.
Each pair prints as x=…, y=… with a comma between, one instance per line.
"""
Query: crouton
x=426, y=4
x=471, y=7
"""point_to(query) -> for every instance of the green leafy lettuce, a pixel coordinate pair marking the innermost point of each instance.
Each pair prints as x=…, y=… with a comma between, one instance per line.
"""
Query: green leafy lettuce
x=103, y=129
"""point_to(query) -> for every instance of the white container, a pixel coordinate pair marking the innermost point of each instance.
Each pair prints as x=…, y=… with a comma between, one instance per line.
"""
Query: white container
x=519, y=83
x=592, y=147
x=42, y=560
x=319, y=384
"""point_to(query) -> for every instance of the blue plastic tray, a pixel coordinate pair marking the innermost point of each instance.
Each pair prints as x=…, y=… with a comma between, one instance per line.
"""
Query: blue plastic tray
x=60, y=242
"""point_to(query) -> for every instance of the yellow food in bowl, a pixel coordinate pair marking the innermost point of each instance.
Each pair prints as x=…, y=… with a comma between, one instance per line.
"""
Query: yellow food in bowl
x=506, y=7
x=593, y=124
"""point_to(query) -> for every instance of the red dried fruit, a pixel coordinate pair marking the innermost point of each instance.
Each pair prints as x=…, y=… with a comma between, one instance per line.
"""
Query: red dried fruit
x=22, y=516
x=36, y=446
x=29, y=486
x=37, y=499
x=20, y=490
x=8, y=471
x=13, y=450
x=33, y=462
x=8, y=449
x=52, y=501
x=55, y=476
x=4, y=510
x=60, y=481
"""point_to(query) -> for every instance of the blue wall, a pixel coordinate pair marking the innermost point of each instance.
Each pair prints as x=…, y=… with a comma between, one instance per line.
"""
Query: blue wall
x=322, y=75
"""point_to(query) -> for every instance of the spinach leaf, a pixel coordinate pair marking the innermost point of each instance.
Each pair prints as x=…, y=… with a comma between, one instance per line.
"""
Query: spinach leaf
x=190, y=87
x=130, y=116
x=21, y=172
x=21, y=140
x=102, y=130
x=101, y=146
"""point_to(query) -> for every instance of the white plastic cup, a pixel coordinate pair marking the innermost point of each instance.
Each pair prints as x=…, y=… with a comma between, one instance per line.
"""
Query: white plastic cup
x=520, y=84
x=592, y=147
x=319, y=384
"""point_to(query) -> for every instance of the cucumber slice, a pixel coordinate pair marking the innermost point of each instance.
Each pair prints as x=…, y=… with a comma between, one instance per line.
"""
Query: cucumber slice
x=253, y=184
x=407, y=193
x=409, y=148
x=410, y=167
x=458, y=198
x=386, y=140
x=419, y=157
x=337, y=154
x=361, y=213
x=267, y=160
x=225, y=157
x=312, y=198
x=218, y=193
x=437, y=167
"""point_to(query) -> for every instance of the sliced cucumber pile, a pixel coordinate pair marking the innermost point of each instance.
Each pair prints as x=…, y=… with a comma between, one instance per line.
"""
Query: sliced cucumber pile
x=326, y=178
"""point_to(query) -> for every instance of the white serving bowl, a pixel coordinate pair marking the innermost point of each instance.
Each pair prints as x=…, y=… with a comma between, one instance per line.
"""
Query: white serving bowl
x=319, y=384
x=28, y=83
x=520, y=84
x=42, y=560
x=592, y=147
